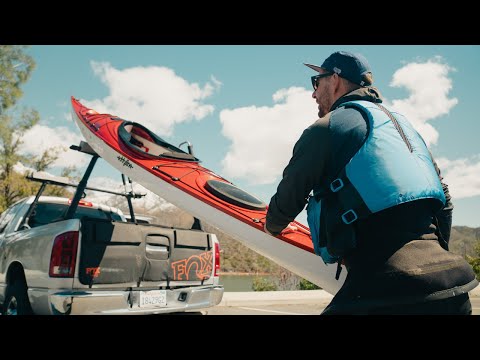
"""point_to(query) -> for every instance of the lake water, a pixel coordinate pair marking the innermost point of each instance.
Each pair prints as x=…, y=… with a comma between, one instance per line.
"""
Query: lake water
x=236, y=283
x=241, y=283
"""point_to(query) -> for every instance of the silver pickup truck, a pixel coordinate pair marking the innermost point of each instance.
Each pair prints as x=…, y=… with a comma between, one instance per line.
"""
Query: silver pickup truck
x=97, y=263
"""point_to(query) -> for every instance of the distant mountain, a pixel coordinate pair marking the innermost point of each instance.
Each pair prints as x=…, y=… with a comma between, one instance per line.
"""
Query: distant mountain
x=463, y=239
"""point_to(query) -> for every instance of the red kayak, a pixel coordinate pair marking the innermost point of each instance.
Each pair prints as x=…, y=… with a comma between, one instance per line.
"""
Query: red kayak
x=178, y=177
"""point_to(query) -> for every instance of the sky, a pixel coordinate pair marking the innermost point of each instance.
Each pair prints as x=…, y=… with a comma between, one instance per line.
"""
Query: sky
x=243, y=107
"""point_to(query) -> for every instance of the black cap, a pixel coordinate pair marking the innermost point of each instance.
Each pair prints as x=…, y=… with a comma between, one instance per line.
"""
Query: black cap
x=353, y=67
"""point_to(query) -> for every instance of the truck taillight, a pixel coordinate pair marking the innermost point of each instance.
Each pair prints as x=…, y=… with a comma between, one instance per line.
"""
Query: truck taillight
x=217, y=259
x=82, y=203
x=64, y=255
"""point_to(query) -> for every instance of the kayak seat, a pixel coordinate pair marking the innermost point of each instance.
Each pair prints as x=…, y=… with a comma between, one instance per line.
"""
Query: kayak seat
x=147, y=146
x=142, y=140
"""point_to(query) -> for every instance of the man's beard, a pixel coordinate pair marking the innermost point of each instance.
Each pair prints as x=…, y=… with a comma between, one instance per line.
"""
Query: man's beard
x=322, y=113
x=323, y=106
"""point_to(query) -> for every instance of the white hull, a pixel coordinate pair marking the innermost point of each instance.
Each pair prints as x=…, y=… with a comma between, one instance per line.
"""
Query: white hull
x=296, y=260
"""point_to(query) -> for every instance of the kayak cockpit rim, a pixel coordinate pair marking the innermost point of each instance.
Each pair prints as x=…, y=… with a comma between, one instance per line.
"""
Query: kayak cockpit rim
x=138, y=138
x=234, y=195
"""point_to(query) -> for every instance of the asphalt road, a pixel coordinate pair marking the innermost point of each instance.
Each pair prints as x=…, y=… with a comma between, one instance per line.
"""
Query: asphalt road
x=289, y=309
x=313, y=306
x=266, y=310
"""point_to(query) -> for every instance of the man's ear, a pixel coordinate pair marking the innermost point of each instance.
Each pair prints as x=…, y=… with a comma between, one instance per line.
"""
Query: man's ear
x=337, y=82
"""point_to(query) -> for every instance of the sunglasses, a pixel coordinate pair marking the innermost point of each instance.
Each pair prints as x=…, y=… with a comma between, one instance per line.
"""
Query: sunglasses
x=318, y=77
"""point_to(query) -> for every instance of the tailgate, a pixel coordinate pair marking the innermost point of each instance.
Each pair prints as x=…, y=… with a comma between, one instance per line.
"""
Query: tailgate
x=143, y=255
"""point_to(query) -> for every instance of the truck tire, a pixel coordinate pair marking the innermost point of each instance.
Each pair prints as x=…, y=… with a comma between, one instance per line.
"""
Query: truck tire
x=16, y=299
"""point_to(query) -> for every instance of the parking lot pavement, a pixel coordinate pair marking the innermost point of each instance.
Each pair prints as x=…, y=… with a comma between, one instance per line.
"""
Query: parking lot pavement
x=265, y=298
x=289, y=309
x=307, y=302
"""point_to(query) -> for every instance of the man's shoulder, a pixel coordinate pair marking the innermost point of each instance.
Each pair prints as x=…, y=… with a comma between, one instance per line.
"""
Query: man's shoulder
x=347, y=116
x=319, y=129
x=316, y=135
x=321, y=123
x=348, y=126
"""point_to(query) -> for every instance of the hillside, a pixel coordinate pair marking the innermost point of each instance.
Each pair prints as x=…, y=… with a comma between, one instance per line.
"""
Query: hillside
x=237, y=258
x=463, y=239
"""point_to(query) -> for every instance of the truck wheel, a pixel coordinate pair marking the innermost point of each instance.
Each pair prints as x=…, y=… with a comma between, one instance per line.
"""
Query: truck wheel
x=16, y=299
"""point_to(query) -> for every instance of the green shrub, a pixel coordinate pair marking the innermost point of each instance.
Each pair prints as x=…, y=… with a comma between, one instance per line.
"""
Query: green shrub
x=475, y=261
x=476, y=266
x=263, y=284
x=307, y=285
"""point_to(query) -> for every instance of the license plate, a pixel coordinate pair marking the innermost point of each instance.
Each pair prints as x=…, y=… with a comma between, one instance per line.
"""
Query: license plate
x=153, y=298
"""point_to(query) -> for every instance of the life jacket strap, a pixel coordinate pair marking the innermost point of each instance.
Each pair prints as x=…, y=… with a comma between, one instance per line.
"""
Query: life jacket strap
x=339, y=269
x=336, y=185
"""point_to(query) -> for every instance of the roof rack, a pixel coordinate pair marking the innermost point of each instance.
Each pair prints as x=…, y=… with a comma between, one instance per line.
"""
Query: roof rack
x=47, y=179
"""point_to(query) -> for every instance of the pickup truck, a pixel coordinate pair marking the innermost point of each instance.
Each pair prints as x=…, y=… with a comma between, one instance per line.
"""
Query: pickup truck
x=95, y=262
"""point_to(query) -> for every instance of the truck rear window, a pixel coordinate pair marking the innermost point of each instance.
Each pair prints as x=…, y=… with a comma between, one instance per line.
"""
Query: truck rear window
x=47, y=213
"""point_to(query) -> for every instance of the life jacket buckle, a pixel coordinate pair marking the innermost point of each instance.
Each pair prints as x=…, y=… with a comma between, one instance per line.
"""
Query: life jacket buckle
x=349, y=216
x=336, y=185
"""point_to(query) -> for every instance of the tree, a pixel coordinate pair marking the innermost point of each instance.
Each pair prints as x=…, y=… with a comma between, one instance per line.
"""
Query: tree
x=15, y=69
x=475, y=261
x=11, y=184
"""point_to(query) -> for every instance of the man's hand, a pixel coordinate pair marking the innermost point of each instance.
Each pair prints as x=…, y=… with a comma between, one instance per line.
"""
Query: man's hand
x=290, y=228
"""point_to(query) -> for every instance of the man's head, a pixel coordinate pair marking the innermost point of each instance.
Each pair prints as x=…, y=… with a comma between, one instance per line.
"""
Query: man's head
x=353, y=67
x=339, y=74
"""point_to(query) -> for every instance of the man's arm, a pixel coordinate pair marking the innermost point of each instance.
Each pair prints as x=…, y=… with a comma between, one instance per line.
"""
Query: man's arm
x=444, y=216
x=304, y=171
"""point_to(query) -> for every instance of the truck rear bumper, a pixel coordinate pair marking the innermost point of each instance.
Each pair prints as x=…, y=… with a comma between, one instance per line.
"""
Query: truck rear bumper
x=127, y=302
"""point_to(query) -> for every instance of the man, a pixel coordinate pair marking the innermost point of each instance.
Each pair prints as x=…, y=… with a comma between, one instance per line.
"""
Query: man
x=378, y=206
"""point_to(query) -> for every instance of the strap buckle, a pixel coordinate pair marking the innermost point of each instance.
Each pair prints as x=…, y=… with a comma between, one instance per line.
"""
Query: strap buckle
x=336, y=185
x=349, y=216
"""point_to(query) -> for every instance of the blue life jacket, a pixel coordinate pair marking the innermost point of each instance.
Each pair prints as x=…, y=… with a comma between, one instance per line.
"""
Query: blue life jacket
x=393, y=166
